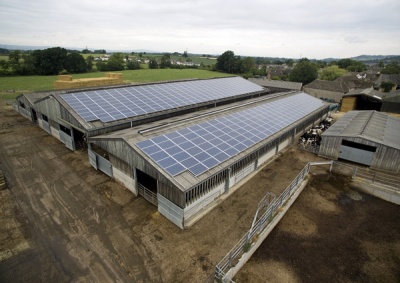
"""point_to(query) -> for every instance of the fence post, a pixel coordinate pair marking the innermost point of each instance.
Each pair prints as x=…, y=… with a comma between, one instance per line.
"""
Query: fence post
x=330, y=168
x=230, y=259
x=355, y=171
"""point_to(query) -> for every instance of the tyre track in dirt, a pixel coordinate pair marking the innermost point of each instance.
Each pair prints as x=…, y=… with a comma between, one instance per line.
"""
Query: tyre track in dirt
x=55, y=201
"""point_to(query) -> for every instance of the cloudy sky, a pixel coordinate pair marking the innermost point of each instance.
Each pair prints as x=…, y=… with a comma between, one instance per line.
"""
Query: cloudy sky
x=313, y=29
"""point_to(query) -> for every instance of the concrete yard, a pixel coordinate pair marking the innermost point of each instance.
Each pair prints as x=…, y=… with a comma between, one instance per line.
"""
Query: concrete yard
x=64, y=221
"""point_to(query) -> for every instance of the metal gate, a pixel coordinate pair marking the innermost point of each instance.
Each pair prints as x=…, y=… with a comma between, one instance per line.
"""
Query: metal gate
x=100, y=163
x=356, y=155
x=147, y=194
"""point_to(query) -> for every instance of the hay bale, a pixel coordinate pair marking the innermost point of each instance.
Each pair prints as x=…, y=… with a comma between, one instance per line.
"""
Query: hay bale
x=66, y=81
x=66, y=78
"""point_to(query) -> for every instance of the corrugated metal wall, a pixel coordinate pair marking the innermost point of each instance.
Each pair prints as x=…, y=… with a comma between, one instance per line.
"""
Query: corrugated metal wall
x=385, y=158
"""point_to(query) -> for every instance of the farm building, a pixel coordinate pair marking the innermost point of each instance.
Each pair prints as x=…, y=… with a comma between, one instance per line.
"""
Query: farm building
x=367, y=137
x=370, y=99
x=277, y=86
x=184, y=164
x=393, y=78
x=181, y=145
x=73, y=116
x=332, y=91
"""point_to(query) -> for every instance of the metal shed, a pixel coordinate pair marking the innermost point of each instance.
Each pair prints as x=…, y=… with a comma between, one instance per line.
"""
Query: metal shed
x=366, y=137
x=141, y=159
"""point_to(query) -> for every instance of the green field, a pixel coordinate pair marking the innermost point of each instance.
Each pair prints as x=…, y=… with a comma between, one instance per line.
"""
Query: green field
x=10, y=87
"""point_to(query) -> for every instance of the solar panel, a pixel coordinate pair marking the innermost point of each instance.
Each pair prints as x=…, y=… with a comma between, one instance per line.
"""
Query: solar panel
x=119, y=103
x=200, y=147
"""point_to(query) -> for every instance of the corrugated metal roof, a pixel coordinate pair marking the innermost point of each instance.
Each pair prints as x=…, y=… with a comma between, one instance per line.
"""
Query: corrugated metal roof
x=277, y=84
x=371, y=125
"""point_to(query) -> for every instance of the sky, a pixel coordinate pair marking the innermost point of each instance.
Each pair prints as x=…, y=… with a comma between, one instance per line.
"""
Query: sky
x=290, y=29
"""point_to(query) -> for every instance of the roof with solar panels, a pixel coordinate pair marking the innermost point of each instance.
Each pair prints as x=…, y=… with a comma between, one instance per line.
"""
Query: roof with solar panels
x=192, y=147
x=96, y=108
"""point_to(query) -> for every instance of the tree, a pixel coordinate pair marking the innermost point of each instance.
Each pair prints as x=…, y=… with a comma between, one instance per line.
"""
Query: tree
x=185, y=54
x=14, y=56
x=304, y=72
x=165, y=61
x=49, y=61
x=381, y=64
x=229, y=63
x=100, y=51
x=248, y=64
x=89, y=62
x=75, y=63
x=133, y=65
x=387, y=86
x=351, y=65
x=153, y=64
x=344, y=63
x=289, y=62
x=392, y=68
x=86, y=51
x=116, y=62
x=331, y=73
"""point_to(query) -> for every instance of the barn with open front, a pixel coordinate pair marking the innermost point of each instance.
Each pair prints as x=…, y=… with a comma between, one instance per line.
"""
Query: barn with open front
x=370, y=138
x=184, y=165
x=181, y=145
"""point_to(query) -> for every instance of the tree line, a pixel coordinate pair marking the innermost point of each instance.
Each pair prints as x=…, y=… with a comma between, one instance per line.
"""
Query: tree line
x=49, y=61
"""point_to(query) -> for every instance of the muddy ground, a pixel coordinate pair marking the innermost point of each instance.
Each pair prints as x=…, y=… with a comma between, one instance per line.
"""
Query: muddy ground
x=64, y=221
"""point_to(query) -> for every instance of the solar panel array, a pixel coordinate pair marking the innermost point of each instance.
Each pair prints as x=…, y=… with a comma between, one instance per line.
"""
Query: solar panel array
x=201, y=147
x=113, y=104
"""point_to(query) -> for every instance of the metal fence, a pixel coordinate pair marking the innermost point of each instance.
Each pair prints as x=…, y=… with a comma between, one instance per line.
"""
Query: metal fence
x=244, y=244
x=366, y=174
x=147, y=194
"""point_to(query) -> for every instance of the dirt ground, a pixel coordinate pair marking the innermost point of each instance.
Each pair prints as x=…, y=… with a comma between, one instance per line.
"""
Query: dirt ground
x=330, y=234
x=63, y=221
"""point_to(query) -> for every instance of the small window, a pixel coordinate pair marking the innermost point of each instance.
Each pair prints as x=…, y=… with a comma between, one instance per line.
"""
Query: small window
x=21, y=104
x=44, y=117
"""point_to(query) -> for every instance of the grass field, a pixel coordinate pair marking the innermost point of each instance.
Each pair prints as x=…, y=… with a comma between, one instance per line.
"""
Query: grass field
x=10, y=87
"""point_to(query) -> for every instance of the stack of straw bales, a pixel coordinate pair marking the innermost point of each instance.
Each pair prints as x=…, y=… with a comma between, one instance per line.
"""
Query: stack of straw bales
x=66, y=81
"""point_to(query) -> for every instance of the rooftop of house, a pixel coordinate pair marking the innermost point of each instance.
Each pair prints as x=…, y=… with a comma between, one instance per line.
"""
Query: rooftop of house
x=337, y=86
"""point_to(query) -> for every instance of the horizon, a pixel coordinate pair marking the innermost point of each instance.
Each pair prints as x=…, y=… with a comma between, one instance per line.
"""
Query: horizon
x=149, y=51
x=303, y=28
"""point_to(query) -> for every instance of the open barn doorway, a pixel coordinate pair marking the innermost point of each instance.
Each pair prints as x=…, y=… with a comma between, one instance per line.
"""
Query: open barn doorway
x=79, y=139
x=147, y=186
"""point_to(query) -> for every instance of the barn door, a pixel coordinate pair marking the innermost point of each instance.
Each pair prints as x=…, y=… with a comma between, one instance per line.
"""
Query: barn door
x=356, y=152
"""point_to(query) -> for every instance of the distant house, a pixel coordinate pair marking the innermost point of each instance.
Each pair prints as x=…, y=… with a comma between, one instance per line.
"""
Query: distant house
x=353, y=81
x=277, y=86
x=327, y=90
x=394, y=78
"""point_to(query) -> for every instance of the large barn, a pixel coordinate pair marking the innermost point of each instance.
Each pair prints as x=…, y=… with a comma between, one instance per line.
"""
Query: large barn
x=367, y=137
x=185, y=164
x=181, y=145
x=73, y=116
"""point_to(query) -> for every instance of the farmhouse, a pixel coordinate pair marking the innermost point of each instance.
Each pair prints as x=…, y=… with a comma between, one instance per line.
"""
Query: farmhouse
x=367, y=137
x=181, y=145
